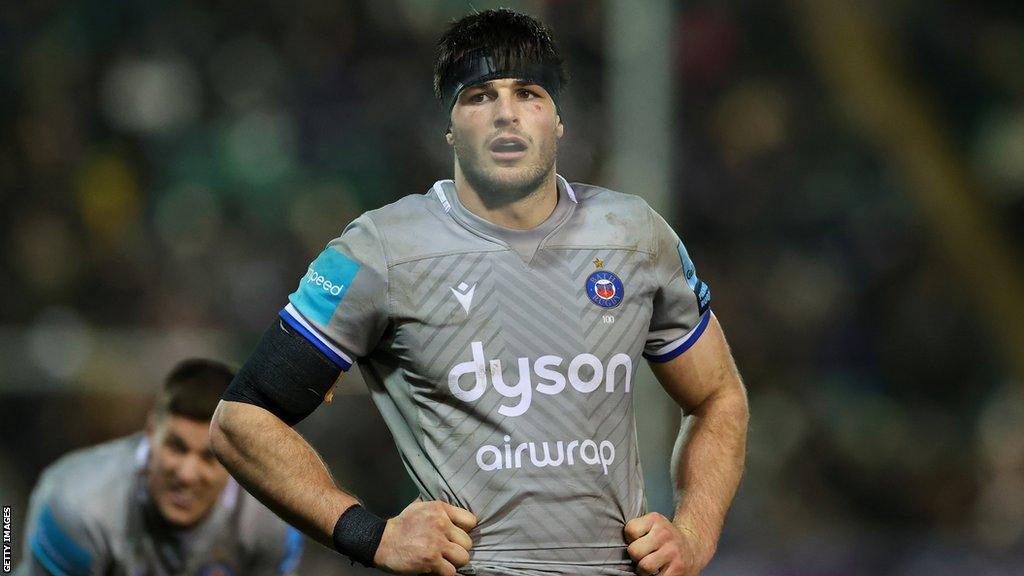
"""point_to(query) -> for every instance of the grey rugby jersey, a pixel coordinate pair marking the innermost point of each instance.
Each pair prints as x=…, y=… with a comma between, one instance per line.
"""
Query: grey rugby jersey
x=503, y=360
x=90, y=515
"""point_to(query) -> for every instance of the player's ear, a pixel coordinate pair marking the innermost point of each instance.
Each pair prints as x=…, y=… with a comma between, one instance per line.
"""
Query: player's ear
x=448, y=137
x=560, y=130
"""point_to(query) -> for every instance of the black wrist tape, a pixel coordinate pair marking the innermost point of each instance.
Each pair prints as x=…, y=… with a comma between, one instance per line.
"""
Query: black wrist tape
x=357, y=534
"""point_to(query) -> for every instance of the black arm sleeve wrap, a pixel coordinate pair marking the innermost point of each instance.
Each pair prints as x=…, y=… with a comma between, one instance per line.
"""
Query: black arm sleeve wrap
x=285, y=375
x=357, y=534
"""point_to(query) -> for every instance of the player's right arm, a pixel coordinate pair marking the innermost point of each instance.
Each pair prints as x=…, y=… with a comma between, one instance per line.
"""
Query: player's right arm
x=282, y=470
x=338, y=313
x=277, y=466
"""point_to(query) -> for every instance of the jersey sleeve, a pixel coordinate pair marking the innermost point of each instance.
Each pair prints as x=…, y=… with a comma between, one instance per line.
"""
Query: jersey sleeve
x=59, y=542
x=340, y=305
x=682, y=301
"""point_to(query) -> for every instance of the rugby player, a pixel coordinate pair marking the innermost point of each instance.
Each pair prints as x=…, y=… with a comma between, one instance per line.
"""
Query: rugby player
x=498, y=320
x=156, y=502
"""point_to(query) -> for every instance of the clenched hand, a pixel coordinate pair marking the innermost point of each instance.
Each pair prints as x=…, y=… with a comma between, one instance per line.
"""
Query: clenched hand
x=660, y=547
x=427, y=537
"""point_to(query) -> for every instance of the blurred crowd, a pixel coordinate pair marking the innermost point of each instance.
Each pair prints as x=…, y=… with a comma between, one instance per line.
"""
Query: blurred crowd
x=168, y=169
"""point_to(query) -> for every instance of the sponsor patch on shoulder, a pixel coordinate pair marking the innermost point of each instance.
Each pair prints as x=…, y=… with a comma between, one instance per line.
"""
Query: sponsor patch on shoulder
x=689, y=271
x=322, y=289
x=700, y=289
x=703, y=297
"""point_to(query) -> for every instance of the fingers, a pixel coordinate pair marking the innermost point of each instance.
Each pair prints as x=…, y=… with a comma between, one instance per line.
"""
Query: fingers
x=651, y=564
x=643, y=546
x=637, y=527
x=459, y=536
x=459, y=516
x=444, y=568
x=455, y=554
x=660, y=547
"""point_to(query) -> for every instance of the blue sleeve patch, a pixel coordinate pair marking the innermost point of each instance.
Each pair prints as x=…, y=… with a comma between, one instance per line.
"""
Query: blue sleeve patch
x=700, y=289
x=56, y=551
x=293, y=546
x=689, y=271
x=322, y=289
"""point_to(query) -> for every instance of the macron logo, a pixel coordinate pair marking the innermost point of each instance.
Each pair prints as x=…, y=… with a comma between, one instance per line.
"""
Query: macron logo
x=464, y=295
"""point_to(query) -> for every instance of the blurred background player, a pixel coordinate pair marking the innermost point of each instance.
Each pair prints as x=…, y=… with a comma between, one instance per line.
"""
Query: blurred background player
x=156, y=502
x=499, y=320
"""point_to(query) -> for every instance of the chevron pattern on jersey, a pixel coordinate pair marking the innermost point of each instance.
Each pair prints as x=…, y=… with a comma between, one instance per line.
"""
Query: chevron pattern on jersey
x=506, y=373
x=572, y=512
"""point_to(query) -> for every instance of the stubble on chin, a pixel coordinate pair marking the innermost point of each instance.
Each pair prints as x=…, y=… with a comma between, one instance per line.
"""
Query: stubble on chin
x=498, y=186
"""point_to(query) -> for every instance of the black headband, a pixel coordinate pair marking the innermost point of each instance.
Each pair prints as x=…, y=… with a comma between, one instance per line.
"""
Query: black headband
x=478, y=67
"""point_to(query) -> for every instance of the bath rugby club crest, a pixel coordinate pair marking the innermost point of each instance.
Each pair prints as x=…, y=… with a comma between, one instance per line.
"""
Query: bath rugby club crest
x=604, y=288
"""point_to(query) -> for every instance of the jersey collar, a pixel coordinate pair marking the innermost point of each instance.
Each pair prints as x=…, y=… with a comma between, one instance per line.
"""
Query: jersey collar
x=525, y=242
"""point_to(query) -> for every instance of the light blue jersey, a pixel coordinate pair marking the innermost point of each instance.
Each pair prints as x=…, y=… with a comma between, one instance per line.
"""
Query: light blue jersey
x=503, y=361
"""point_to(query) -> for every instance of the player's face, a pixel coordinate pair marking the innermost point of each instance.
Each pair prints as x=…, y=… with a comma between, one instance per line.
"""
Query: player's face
x=184, y=477
x=505, y=133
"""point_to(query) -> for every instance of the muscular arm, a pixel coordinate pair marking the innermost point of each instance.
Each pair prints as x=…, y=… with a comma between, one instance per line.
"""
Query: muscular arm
x=284, y=472
x=284, y=380
x=709, y=453
x=275, y=464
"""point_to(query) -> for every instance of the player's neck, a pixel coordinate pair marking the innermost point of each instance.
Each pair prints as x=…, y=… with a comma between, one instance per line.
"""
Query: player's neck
x=526, y=210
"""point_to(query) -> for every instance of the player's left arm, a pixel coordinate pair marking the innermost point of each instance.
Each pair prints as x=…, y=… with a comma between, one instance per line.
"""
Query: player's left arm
x=707, y=461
